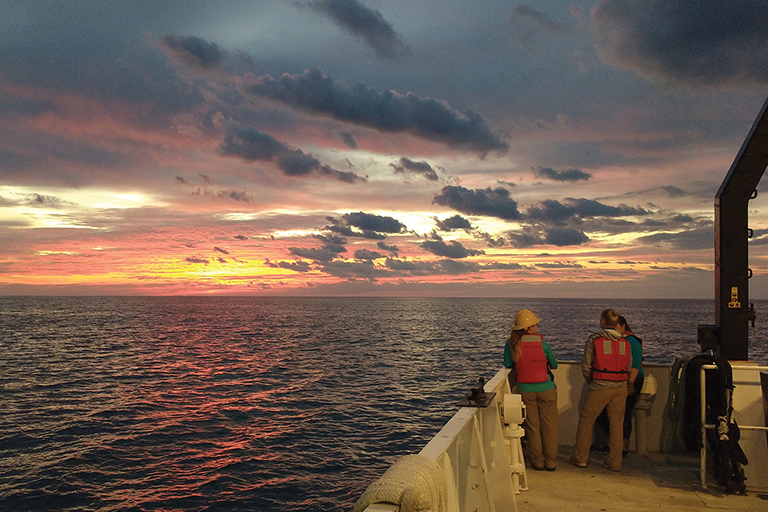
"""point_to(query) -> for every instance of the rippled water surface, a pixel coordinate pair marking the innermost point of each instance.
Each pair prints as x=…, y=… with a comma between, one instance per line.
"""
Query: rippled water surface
x=267, y=404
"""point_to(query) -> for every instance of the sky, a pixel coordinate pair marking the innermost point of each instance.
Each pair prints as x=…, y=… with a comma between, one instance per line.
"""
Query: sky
x=374, y=148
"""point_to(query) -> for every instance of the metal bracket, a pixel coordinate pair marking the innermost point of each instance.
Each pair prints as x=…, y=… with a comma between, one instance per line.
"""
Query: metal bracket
x=477, y=397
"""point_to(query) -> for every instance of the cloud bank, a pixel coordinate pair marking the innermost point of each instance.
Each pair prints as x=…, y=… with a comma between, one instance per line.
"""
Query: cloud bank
x=708, y=42
x=389, y=111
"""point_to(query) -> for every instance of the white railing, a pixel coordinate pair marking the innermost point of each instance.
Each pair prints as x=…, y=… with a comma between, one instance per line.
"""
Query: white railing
x=705, y=426
x=472, y=453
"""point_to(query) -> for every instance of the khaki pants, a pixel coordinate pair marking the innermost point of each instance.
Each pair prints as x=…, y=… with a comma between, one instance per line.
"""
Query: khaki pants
x=541, y=427
x=613, y=399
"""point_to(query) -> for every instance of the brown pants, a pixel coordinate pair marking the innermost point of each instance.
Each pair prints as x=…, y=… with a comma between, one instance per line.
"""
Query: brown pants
x=613, y=399
x=541, y=427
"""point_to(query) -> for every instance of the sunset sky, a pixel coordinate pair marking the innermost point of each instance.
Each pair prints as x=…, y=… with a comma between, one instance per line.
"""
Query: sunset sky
x=371, y=147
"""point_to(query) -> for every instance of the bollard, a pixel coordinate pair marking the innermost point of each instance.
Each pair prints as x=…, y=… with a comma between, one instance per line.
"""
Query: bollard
x=642, y=411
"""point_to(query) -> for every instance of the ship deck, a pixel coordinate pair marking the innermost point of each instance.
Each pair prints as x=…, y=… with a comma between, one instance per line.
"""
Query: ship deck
x=658, y=481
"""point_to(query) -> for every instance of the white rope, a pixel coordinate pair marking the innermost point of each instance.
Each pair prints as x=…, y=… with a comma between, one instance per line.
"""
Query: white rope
x=415, y=483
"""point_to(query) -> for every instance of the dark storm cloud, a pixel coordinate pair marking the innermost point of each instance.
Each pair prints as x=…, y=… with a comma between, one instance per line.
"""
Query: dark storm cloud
x=550, y=209
x=390, y=111
x=562, y=237
x=489, y=202
x=422, y=168
x=453, y=223
x=343, y=230
x=451, y=250
x=542, y=235
x=569, y=175
x=296, y=266
x=377, y=223
x=504, y=266
x=682, y=218
x=242, y=196
x=560, y=264
x=194, y=51
x=674, y=191
x=489, y=239
x=219, y=249
x=313, y=253
x=389, y=248
x=617, y=225
x=414, y=268
x=348, y=231
x=373, y=235
x=43, y=199
x=692, y=240
x=422, y=268
x=355, y=270
x=706, y=42
x=365, y=23
x=458, y=267
x=348, y=139
x=252, y=145
x=365, y=254
x=332, y=247
x=332, y=240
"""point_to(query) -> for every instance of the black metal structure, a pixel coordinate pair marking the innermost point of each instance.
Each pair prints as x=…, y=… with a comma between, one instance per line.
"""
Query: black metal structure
x=732, y=307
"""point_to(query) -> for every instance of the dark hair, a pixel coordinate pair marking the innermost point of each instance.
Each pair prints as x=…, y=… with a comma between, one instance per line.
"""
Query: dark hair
x=623, y=321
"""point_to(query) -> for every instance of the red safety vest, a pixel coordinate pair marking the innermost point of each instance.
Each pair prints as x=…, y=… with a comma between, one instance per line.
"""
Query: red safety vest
x=611, y=359
x=532, y=365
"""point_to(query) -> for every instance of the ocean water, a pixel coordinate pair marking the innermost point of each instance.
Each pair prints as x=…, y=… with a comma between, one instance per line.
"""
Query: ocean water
x=259, y=404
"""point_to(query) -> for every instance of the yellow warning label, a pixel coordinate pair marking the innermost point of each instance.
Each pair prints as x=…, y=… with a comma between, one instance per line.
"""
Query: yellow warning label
x=734, y=304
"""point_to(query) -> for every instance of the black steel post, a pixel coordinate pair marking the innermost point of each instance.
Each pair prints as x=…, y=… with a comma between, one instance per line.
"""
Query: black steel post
x=732, y=273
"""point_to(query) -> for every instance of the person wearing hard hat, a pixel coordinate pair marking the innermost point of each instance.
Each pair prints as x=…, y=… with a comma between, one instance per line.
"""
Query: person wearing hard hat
x=532, y=357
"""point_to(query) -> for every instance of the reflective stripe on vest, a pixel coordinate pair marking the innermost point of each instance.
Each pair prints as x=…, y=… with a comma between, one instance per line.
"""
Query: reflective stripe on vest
x=612, y=359
x=532, y=365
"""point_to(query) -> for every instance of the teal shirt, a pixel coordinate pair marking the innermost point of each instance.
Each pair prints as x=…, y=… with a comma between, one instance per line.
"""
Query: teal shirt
x=538, y=386
x=637, y=354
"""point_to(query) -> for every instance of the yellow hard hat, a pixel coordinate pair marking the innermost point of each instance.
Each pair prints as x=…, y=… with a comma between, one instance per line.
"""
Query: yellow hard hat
x=524, y=319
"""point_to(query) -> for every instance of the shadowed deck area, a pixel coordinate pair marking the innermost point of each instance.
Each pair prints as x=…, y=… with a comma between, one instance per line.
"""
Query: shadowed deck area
x=668, y=482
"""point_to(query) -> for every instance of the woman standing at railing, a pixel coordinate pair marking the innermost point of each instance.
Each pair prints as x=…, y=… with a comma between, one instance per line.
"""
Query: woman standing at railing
x=607, y=367
x=633, y=387
x=532, y=358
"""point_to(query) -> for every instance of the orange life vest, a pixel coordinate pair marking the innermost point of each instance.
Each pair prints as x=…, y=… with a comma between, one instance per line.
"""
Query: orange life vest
x=612, y=359
x=532, y=365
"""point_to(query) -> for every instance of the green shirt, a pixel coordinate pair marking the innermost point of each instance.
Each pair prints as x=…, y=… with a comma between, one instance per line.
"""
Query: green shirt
x=637, y=354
